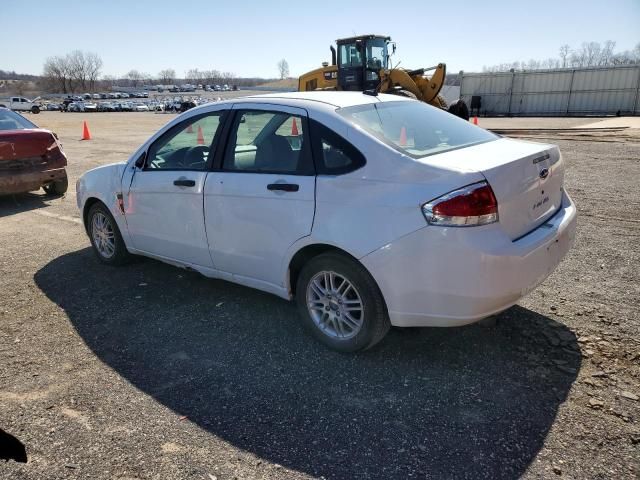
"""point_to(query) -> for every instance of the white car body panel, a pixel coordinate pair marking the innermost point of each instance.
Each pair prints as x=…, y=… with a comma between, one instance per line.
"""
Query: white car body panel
x=428, y=275
x=165, y=219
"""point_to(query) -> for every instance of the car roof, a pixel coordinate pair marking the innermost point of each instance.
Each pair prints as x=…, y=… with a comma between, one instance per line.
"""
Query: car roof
x=335, y=98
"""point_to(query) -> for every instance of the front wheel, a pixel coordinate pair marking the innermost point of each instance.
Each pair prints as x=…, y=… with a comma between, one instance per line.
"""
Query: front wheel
x=105, y=236
x=340, y=303
x=35, y=109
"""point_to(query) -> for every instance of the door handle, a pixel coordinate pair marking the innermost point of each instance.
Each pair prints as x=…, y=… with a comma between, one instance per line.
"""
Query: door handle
x=183, y=182
x=284, y=187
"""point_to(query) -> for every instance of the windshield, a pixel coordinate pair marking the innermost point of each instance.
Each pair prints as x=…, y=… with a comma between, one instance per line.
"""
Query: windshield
x=415, y=128
x=12, y=121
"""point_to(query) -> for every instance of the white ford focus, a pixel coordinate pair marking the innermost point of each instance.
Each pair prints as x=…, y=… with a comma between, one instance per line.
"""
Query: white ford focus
x=370, y=211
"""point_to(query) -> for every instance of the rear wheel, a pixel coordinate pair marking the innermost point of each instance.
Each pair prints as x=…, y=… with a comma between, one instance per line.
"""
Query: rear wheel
x=340, y=303
x=105, y=236
x=59, y=187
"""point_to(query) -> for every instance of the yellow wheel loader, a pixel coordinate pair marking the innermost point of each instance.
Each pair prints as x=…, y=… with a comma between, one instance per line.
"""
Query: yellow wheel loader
x=362, y=64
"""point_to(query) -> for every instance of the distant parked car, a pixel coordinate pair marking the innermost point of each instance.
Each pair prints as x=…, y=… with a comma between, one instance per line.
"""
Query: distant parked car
x=90, y=107
x=106, y=107
x=75, y=107
x=87, y=96
x=30, y=157
x=96, y=96
x=53, y=107
x=140, y=107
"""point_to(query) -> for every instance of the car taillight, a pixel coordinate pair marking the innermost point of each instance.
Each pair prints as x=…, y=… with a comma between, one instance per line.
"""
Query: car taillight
x=466, y=207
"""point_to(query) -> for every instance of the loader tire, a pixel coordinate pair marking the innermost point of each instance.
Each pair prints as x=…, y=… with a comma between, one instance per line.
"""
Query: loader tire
x=459, y=109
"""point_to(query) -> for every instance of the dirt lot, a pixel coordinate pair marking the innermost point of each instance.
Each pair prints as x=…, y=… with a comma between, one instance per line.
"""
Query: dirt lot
x=151, y=372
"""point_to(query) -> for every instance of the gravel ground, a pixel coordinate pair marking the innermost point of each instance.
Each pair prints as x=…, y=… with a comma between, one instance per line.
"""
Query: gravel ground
x=151, y=372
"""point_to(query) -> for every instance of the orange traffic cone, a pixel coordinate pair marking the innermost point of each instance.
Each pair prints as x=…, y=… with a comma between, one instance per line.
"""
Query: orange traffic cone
x=475, y=120
x=189, y=129
x=86, y=135
x=200, y=139
x=294, y=129
x=403, y=137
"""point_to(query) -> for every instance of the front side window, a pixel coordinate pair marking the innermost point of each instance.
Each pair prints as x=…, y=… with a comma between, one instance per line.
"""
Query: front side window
x=350, y=56
x=415, y=128
x=376, y=54
x=268, y=142
x=185, y=146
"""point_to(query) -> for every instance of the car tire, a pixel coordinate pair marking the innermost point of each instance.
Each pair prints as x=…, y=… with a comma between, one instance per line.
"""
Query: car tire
x=58, y=187
x=35, y=110
x=110, y=249
x=345, y=317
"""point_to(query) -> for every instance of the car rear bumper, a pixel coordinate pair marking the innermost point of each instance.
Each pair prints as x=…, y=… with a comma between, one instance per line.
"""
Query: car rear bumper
x=455, y=276
x=14, y=182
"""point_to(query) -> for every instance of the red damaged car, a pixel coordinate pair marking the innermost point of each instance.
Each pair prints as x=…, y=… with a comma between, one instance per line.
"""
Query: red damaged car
x=30, y=157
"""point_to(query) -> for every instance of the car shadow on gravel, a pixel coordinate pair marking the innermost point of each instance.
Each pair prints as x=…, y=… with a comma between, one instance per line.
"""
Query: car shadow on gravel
x=467, y=402
x=23, y=202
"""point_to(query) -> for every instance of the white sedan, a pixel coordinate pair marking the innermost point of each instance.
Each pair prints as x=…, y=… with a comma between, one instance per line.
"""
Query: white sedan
x=369, y=211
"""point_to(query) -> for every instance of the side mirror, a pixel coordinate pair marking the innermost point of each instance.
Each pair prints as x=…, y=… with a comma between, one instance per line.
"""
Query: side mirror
x=140, y=161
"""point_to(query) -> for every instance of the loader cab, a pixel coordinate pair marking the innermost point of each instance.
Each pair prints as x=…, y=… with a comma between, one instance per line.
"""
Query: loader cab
x=360, y=60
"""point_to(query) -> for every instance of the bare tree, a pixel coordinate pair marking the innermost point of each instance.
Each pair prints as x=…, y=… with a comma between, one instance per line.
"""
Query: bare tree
x=167, y=76
x=93, y=64
x=134, y=77
x=564, y=54
x=283, y=68
x=56, y=74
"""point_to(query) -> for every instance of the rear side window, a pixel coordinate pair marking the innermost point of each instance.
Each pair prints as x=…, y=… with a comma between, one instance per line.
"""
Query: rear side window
x=333, y=154
x=415, y=128
x=268, y=142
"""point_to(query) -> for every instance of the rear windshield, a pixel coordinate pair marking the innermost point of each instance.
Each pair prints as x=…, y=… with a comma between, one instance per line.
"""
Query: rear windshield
x=12, y=121
x=415, y=128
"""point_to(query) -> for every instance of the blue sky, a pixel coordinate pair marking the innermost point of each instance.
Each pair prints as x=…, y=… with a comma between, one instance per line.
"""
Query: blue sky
x=248, y=38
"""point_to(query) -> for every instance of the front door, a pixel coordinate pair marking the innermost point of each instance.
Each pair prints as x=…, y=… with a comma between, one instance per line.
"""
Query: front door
x=262, y=199
x=164, y=205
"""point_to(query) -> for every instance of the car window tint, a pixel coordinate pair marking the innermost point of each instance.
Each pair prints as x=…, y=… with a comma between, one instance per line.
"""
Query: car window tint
x=185, y=147
x=269, y=142
x=335, y=154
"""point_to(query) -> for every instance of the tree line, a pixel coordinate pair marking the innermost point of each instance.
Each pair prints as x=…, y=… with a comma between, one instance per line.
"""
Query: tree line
x=589, y=54
x=80, y=71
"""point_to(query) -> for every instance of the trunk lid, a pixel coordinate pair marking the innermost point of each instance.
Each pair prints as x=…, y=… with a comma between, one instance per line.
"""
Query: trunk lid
x=27, y=148
x=526, y=178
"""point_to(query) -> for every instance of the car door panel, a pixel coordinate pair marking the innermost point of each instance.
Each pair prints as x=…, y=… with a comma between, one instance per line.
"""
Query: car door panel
x=251, y=227
x=166, y=219
x=164, y=197
x=253, y=217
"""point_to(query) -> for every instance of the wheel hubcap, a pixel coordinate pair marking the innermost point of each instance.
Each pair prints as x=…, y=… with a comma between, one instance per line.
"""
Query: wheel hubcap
x=335, y=305
x=103, y=236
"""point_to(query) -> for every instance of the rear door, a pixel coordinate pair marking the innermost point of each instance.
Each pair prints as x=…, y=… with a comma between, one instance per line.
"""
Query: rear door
x=261, y=199
x=164, y=203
